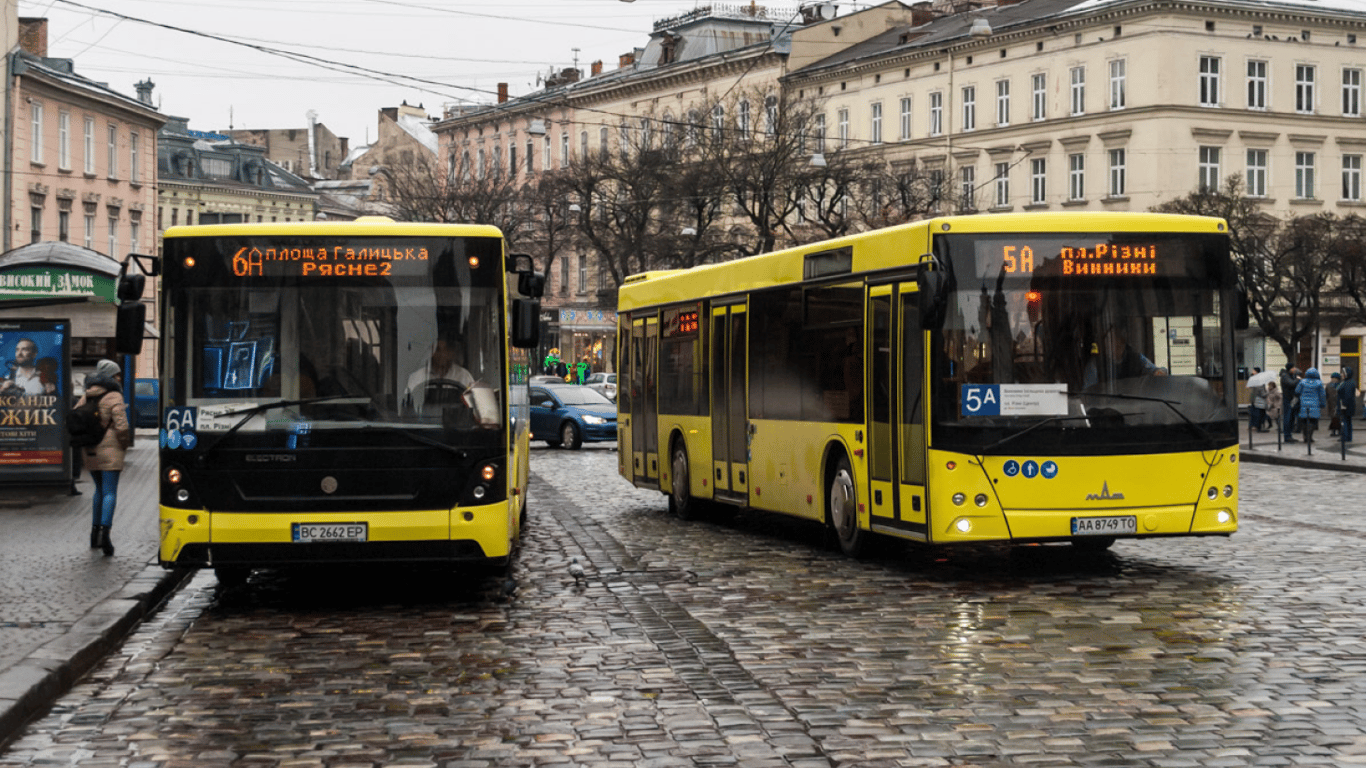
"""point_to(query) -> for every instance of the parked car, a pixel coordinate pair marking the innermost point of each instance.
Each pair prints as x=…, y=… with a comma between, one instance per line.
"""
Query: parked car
x=570, y=415
x=146, y=402
x=603, y=383
x=543, y=379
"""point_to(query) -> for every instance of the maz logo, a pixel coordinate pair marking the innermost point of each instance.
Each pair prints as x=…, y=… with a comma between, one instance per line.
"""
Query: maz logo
x=1104, y=494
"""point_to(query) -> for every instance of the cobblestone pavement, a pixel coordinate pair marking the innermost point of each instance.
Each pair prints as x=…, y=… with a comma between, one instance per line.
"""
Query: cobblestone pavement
x=746, y=642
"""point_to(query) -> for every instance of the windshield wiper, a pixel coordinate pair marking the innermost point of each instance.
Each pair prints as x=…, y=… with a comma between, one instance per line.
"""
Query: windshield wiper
x=1199, y=430
x=250, y=411
x=1030, y=428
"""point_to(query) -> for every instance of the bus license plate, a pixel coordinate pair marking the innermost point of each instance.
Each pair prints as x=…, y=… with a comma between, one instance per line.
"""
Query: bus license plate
x=310, y=532
x=1104, y=526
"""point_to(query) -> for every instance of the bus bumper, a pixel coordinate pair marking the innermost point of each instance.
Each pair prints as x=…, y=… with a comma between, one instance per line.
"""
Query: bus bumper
x=197, y=538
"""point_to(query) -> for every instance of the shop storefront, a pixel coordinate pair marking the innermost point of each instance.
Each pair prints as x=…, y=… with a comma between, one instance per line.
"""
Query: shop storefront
x=588, y=335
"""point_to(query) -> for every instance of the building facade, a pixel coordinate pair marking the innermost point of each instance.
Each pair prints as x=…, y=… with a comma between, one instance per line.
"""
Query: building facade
x=314, y=152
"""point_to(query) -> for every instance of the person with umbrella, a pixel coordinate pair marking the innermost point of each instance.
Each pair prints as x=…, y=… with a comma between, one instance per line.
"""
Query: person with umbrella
x=1256, y=387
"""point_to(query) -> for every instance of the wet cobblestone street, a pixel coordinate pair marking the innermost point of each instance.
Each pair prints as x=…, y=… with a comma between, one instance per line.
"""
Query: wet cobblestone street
x=746, y=641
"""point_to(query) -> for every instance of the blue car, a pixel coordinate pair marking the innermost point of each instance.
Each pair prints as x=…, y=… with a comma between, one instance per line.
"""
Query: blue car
x=570, y=415
x=146, y=394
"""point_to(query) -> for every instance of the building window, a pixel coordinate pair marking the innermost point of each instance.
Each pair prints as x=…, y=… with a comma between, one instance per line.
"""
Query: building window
x=35, y=218
x=1118, y=67
x=967, y=184
x=564, y=149
x=842, y=125
x=90, y=231
x=64, y=226
x=583, y=144
x=134, y=230
x=1038, y=178
x=1256, y=173
x=1002, y=184
x=531, y=156
x=90, y=145
x=36, y=137
x=1304, y=88
x=1351, y=92
x=770, y=116
x=876, y=127
x=970, y=108
x=134, y=152
x=547, y=153
x=512, y=159
x=744, y=122
x=1078, y=90
x=564, y=276
x=1208, y=169
x=1002, y=103
x=1039, y=86
x=1209, y=81
x=583, y=273
x=1076, y=177
x=906, y=118
x=1118, y=161
x=937, y=113
x=1304, y=175
x=602, y=141
x=718, y=120
x=1351, y=178
x=113, y=235
x=480, y=164
x=113, y=151
x=64, y=140
x=1256, y=84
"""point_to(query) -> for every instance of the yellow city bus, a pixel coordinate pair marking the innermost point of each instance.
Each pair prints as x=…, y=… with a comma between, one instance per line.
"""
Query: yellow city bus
x=1029, y=378
x=342, y=392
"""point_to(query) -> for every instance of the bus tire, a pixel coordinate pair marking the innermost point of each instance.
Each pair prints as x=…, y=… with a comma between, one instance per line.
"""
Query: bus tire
x=681, y=503
x=570, y=437
x=842, y=510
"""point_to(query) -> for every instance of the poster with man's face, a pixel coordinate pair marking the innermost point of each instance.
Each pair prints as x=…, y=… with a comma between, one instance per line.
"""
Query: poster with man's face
x=35, y=390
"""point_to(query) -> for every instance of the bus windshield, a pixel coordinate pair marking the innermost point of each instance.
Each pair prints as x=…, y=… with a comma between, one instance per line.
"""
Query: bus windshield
x=269, y=348
x=1084, y=343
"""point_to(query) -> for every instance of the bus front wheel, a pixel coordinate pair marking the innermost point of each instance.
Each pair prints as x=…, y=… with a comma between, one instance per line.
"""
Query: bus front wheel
x=681, y=503
x=843, y=511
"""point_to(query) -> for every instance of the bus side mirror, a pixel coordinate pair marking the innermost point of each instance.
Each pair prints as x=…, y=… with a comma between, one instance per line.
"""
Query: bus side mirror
x=529, y=281
x=129, y=325
x=934, y=299
x=131, y=286
x=526, y=323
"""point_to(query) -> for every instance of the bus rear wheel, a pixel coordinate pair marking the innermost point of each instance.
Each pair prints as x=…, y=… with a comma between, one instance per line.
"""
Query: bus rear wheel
x=843, y=511
x=681, y=503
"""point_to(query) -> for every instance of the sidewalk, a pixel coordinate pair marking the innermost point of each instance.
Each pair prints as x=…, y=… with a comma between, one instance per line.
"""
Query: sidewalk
x=1324, y=453
x=64, y=606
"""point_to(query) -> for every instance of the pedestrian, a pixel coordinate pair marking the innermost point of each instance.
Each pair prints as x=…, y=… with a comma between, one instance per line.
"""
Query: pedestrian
x=1290, y=378
x=1347, y=402
x=1256, y=411
x=1309, y=393
x=1273, y=404
x=104, y=461
x=1330, y=402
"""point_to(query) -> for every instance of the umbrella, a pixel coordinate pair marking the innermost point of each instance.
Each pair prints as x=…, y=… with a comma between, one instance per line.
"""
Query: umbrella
x=1261, y=379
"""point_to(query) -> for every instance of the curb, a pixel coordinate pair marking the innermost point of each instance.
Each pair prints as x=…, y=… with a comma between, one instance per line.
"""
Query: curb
x=34, y=684
x=1333, y=462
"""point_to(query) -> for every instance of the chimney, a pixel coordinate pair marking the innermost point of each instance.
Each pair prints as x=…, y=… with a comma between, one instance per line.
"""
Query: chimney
x=33, y=36
x=626, y=60
x=596, y=68
x=502, y=93
x=144, y=90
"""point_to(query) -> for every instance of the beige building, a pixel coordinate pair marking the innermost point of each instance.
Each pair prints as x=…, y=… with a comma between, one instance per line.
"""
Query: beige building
x=313, y=152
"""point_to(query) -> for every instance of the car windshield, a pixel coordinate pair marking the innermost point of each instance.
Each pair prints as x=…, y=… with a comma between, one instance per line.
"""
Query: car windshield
x=581, y=396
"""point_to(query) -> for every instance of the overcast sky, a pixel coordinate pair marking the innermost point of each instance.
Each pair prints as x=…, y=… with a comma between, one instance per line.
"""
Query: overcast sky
x=352, y=57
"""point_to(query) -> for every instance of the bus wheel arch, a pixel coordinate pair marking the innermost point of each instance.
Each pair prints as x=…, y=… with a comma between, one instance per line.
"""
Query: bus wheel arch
x=841, y=505
x=682, y=505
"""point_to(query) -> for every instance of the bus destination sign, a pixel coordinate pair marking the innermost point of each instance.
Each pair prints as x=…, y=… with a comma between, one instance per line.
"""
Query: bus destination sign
x=339, y=261
x=1079, y=260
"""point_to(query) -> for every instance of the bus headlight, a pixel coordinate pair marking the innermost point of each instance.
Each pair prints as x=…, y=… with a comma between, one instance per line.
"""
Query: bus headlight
x=1224, y=517
x=963, y=525
x=959, y=498
x=182, y=495
x=1228, y=491
x=479, y=491
x=1213, y=493
x=980, y=500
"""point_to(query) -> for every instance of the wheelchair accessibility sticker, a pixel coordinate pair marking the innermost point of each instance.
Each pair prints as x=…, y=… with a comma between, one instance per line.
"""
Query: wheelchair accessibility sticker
x=1030, y=468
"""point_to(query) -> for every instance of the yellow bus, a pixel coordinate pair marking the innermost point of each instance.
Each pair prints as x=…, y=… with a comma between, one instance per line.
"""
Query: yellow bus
x=342, y=392
x=1029, y=378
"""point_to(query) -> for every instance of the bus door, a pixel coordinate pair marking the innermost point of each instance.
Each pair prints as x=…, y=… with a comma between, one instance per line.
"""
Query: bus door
x=896, y=429
x=644, y=401
x=729, y=422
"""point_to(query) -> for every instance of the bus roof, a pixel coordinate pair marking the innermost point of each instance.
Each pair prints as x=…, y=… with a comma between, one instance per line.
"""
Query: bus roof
x=365, y=225
x=900, y=246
